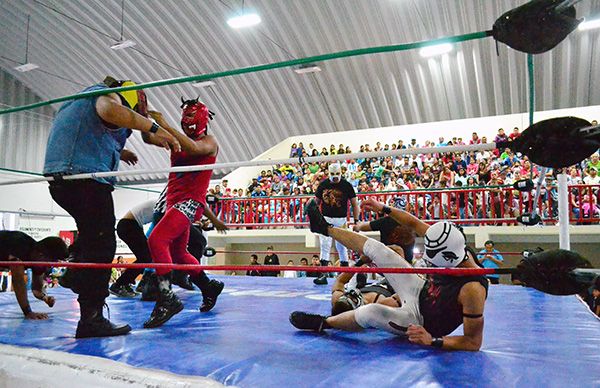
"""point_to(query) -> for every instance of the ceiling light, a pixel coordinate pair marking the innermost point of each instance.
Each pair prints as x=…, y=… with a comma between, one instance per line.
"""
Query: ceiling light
x=588, y=25
x=203, y=84
x=304, y=69
x=245, y=20
x=437, y=49
x=123, y=44
x=26, y=67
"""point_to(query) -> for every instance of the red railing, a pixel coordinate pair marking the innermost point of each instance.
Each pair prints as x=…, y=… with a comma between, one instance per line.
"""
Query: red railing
x=470, y=206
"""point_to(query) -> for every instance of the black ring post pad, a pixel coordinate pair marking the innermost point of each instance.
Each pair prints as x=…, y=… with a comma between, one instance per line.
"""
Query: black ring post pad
x=555, y=143
x=550, y=272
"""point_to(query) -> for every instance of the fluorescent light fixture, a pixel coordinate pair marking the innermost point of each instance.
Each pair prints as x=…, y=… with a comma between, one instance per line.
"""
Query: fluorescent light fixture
x=123, y=44
x=245, y=20
x=203, y=84
x=26, y=67
x=304, y=69
x=589, y=24
x=438, y=49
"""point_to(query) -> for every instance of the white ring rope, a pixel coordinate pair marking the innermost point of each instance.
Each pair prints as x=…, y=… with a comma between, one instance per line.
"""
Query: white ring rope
x=266, y=162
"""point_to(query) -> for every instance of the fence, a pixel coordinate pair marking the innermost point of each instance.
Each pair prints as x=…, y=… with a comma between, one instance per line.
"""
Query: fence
x=470, y=206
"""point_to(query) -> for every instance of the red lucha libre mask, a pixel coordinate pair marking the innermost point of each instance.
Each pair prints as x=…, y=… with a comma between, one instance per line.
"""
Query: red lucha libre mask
x=194, y=118
x=142, y=105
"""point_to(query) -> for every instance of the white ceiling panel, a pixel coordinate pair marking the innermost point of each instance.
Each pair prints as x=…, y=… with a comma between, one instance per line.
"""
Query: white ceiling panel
x=70, y=40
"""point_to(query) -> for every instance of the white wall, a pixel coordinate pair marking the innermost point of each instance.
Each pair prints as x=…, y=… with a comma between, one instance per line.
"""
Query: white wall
x=39, y=216
x=484, y=126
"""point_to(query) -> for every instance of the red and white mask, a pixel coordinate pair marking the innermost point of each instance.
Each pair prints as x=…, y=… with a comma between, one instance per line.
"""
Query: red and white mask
x=194, y=118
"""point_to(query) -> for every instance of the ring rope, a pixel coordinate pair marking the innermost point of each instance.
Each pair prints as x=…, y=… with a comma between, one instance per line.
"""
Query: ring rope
x=184, y=267
x=264, y=162
x=253, y=69
x=335, y=253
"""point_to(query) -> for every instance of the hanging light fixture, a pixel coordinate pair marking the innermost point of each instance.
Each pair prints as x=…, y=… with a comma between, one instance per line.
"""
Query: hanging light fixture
x=244, y=19
x=123, y=43
x=27, y=66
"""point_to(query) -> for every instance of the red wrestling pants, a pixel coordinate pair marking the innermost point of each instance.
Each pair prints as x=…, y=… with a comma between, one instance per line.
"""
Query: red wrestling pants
x=169, y=239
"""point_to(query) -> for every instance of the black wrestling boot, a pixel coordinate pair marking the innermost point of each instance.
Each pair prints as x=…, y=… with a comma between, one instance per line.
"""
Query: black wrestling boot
x=210, y=292
x=150, y=288
x=93, y=324
x=167, y=304
x=322, y=279
x=318, y=224
x=142, y=282
x=122, y=290
x=305, y=321
x=182, y=280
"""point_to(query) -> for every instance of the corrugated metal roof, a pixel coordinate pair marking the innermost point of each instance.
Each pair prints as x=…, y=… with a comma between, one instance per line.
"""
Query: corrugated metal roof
x=71, y=39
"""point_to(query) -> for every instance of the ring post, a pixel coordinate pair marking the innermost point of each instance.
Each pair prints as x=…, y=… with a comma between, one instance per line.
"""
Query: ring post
x=563, y=212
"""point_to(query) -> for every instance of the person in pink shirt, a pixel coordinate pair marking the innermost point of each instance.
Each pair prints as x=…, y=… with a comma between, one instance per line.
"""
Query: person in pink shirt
x=472, y=167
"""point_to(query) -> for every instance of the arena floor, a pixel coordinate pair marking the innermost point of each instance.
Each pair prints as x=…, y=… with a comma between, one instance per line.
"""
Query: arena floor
x=531, y=340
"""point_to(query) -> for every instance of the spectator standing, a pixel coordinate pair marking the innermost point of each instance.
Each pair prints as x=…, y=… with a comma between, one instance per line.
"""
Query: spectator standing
x=271, y=259
x=491, y=258
x=253, y=261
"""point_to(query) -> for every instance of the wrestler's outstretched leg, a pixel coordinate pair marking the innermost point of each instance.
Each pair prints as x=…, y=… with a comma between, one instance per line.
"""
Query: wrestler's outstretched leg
x=167, y=233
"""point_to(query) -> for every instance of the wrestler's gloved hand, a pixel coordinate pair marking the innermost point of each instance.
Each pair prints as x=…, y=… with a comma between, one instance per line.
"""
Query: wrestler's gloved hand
x=550, y=272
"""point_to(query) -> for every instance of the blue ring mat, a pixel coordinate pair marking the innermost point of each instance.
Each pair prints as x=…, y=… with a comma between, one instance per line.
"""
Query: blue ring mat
x=530, y=339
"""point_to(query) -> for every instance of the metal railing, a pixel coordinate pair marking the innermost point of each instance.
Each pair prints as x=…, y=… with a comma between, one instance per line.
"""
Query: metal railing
x=499, y=205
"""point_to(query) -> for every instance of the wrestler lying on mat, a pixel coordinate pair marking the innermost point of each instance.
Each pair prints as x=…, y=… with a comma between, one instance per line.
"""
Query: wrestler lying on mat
x=344, y=297
x=429, y=308
x=18, y=246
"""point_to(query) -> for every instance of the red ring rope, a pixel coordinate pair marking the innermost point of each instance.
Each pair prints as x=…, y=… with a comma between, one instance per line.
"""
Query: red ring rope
x=336, y=253
x=411, y=270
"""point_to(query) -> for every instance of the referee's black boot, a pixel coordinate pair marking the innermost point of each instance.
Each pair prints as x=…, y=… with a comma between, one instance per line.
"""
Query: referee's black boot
x=93, y=324
x=318, y=224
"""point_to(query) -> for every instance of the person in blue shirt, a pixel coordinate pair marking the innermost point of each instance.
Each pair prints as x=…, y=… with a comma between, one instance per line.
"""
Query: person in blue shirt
x=491, y=258
x=89, y=135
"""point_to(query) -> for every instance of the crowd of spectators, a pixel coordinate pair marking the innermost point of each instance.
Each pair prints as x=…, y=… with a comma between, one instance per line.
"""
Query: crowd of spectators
x=442, y=171
x=272, y=259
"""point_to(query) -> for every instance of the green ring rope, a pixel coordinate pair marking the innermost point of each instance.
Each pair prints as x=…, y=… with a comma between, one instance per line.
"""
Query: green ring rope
x=253, y=69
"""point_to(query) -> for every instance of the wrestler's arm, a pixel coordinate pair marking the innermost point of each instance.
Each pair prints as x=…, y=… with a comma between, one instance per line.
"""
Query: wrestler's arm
x=110, y=110
x=355, y=209
x=217, y=223
x=362, y=227
x=37, y=289
x=205, y=146
x=398, y=215
x=472, y=298
x=19, y=286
